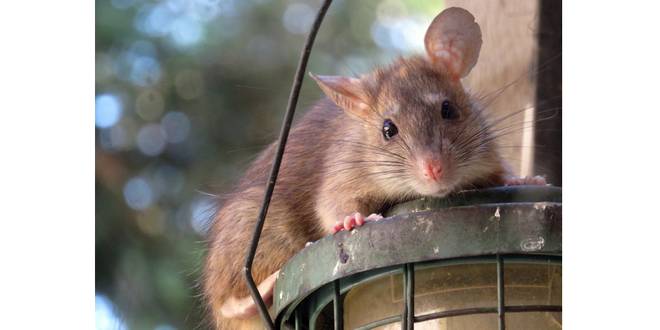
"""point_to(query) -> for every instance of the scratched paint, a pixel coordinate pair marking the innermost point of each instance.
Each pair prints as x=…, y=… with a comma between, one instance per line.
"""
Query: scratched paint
x=532, y=244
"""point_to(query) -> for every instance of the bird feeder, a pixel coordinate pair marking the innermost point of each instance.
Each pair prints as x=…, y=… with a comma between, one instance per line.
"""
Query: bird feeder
x=479, y=259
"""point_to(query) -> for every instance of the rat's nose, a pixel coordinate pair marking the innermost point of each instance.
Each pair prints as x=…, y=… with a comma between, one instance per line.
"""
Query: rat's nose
x=432, y=169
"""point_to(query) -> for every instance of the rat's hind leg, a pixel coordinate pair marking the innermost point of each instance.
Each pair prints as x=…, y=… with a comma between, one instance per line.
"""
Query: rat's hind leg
x=245, y=307
x=525, y=180
x=355, y=220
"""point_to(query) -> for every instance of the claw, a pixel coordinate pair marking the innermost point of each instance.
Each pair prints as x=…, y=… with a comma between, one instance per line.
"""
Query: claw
x=374, y=217
x=525, y=180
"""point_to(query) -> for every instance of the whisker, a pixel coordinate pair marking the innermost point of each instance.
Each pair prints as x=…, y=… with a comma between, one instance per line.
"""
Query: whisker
x=539, y=69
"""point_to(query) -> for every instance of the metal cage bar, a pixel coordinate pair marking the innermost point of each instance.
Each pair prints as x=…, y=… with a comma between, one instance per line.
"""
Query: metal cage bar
x=338, y=307
x=500, y=291
x=378, y=323
x=297, y=320
x=408, y=315
x=487, y=310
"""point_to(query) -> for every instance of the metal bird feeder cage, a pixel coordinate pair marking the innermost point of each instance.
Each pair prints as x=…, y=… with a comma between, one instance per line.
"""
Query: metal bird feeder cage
x=480, y=259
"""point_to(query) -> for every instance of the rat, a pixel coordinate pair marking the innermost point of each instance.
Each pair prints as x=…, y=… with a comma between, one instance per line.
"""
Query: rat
x=400, y=132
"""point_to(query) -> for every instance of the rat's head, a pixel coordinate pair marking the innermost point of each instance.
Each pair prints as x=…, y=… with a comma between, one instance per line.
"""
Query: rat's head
x=419, y=126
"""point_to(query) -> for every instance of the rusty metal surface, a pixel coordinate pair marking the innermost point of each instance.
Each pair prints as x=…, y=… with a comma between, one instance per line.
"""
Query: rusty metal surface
x=430, y=229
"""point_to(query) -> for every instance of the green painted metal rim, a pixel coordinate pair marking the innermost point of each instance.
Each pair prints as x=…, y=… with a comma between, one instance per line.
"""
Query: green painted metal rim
x=495, y=195
x=506, y=220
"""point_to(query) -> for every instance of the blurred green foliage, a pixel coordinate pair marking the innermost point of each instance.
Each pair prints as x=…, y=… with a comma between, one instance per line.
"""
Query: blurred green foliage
x=187, y=92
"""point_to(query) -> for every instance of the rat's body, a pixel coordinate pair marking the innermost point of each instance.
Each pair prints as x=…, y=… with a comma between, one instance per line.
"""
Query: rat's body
x=400, y=132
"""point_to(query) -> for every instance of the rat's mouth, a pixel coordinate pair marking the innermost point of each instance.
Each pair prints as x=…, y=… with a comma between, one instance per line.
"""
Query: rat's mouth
x=439, y=189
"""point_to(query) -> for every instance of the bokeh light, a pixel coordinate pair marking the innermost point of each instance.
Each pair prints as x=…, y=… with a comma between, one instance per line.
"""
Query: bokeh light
x=154, y=20
x=176, y=126
x=108, y=110
x=138, y=194
x=151, y=139
x=182, y=22
x=145, y=71
x=396, y=29
x=106, y=315
x=150, y=104
x=186, y=31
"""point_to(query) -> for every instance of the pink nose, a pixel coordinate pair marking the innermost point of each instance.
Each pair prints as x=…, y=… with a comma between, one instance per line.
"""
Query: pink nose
x=432, y=169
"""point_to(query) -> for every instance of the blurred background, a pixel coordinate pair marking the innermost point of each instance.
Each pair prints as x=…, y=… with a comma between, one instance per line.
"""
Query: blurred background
x=188, y=91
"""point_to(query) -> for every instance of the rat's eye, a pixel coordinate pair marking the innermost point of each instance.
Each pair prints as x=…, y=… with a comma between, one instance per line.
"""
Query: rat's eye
x=449, y=110
x=389, y=129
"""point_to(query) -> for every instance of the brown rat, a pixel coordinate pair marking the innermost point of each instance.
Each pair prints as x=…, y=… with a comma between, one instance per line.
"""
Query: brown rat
x=403, y=131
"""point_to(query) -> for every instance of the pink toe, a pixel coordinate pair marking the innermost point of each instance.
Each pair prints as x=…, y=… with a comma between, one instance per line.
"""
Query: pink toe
x=339, y=225
x=349, y=222
x=359, y=219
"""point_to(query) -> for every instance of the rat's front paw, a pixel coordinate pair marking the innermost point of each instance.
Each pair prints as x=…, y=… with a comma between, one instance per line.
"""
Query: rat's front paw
x=525, y=180
x=354, y=220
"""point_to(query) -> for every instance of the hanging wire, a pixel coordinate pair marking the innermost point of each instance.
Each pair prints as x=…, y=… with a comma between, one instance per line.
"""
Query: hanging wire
x=284, y=134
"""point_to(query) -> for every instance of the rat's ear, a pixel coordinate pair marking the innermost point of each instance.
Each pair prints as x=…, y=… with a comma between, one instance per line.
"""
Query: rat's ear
x=347, y=92
x=453, y=41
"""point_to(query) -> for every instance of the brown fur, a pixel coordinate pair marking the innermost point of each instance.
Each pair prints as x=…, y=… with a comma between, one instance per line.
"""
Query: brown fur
x=337, y=162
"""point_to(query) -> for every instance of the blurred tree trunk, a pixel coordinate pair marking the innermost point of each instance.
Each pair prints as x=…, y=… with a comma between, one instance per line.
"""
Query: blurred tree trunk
x=548, y=92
